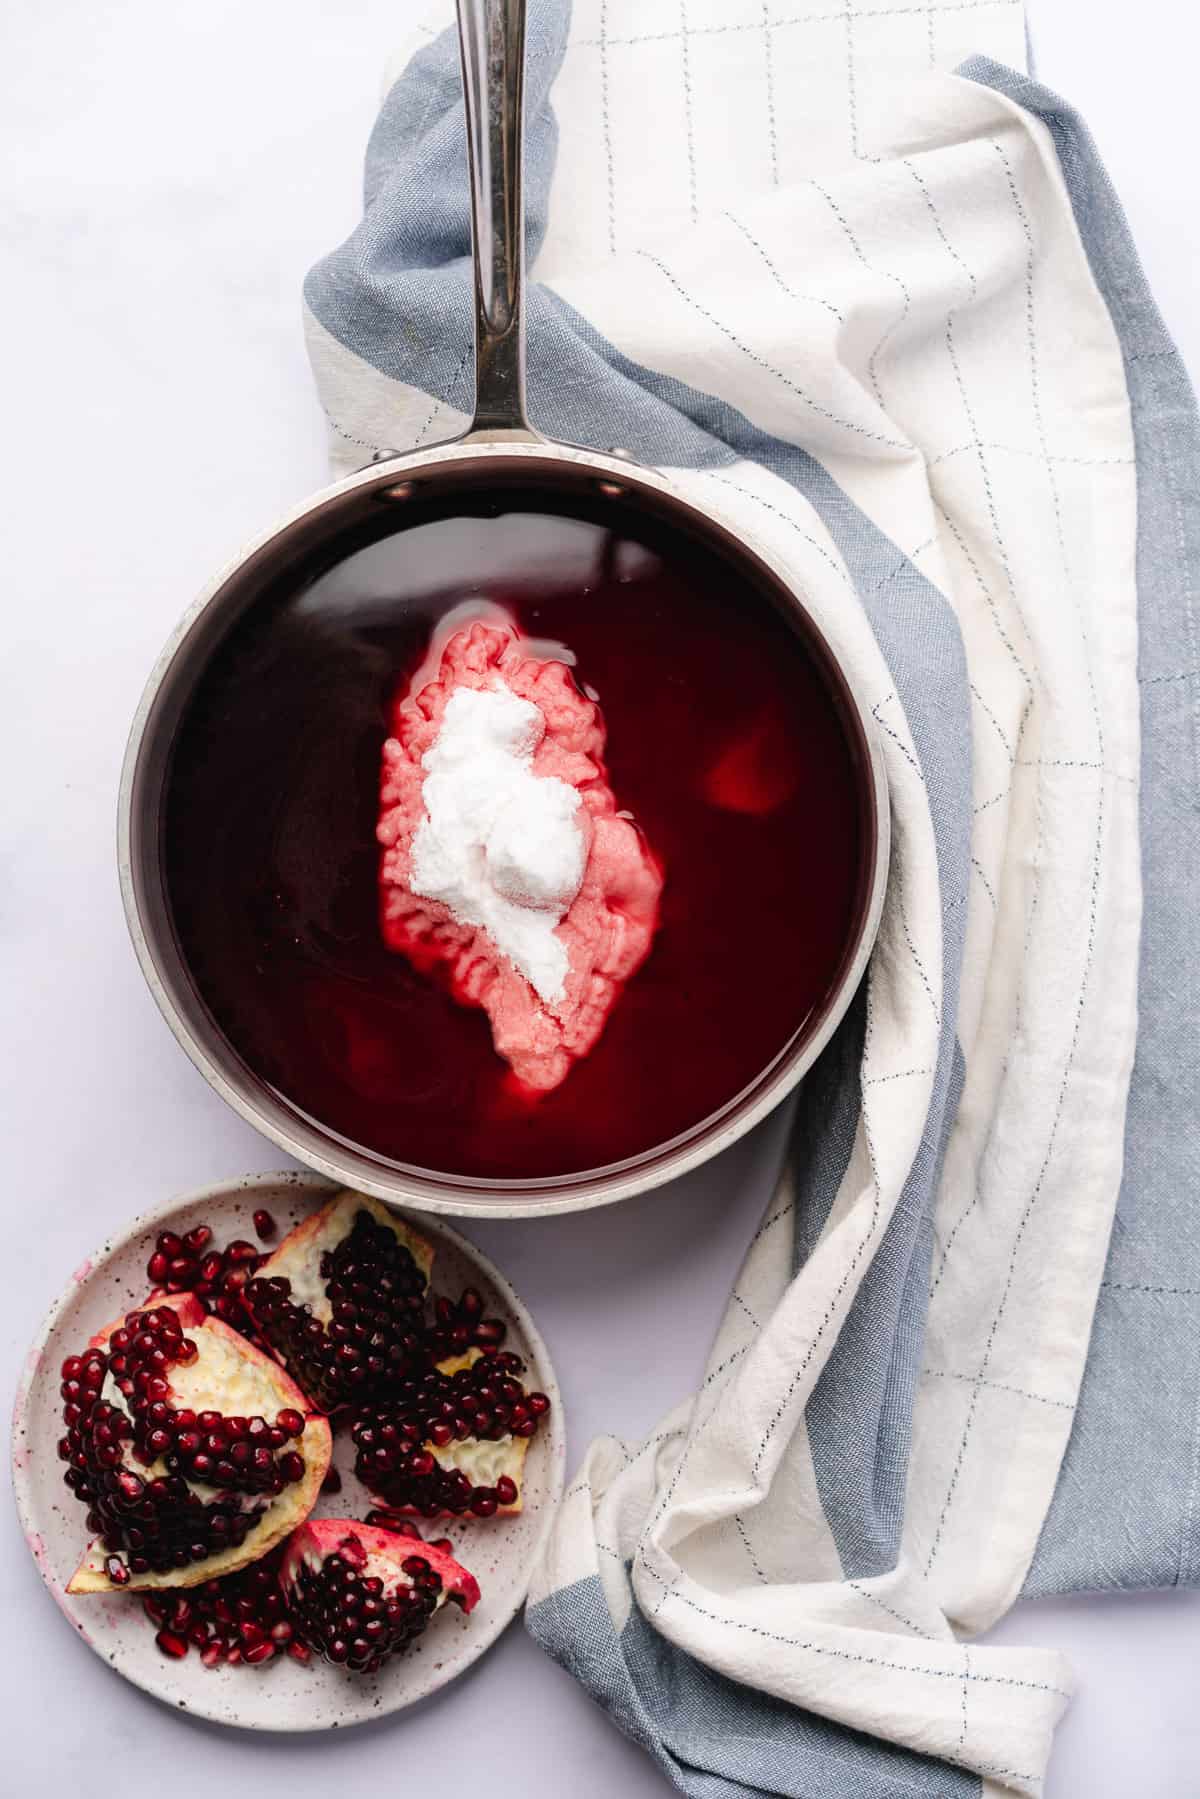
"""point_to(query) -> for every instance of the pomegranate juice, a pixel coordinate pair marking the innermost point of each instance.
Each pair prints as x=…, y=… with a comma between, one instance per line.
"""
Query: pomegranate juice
x=725, y=741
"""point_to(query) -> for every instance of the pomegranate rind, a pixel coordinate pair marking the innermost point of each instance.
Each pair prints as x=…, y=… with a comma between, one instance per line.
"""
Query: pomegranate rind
x=320, y=1538
x=287, y=1510
x=299, y=1255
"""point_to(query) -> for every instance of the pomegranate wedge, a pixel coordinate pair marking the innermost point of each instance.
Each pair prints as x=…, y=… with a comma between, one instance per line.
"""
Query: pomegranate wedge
x=451, y=1440
x=357, y=1594
x=194, y=1452
x=341, y=1301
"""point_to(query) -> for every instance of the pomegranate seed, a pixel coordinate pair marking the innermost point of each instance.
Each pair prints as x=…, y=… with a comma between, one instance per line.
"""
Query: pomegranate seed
x=196, y=1240
x=506, y=1490
x=211, y=1654
x=171, y=1645
x=117, y=1572
x=72, y=1368
x=332, y=1482
x=265, y=1225
x=168, y=1244
x=261, y=1652
x=300, y=1652
x=291, y=1422
x=156, y=1268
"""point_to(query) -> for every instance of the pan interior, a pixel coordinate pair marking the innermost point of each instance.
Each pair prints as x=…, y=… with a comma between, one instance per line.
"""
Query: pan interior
x=253, y=808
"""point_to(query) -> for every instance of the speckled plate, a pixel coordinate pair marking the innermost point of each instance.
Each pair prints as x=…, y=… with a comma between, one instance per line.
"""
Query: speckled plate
x=501, y=1553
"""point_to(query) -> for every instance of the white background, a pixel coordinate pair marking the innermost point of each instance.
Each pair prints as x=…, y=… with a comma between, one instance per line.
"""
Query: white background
x=170, y=174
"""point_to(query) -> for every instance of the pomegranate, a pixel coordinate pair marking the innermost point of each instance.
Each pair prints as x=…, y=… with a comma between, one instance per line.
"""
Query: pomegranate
x=243, y=1617
x=358, y=1594
x=450, y=1439
x=179, y=1491
x=342, y=1300
x=190, y=1264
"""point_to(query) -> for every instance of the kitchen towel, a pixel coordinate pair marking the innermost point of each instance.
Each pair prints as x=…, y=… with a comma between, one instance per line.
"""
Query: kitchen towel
x=862, y=285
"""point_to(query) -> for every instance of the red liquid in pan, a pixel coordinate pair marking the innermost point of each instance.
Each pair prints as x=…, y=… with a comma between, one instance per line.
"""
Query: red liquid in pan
x=724, y=741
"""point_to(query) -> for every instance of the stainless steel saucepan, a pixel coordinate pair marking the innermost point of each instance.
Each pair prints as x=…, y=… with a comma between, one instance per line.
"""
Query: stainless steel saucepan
x=499, y=448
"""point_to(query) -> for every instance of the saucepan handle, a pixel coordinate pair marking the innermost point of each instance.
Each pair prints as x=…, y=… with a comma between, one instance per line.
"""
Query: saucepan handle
x=491, y=37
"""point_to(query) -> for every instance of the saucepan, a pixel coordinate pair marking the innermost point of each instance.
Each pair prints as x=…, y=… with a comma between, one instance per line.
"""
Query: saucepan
x=499, y=450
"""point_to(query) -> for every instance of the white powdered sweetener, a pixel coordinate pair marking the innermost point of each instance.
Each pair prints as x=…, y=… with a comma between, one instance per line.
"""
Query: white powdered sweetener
x=501, y=847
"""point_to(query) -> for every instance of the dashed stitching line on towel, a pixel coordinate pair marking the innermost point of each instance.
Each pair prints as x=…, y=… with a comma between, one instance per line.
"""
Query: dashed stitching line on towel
x=904, y=751
x=750, y=1315
x=768, y=52
x=873, y=269
x=987, y=885
x=1114, y=774
x=749, y=1551
x=349, y=437
x=1019, y=450
x=440, y=406
x=1000, y=731
x=774, y=1219
x=904, y=1074
x=907, y=557
x=851, y=82
x=815, y=18
x=874, y=1599
x=812, y=299
x=687, y=107
x=606, y=127
x=749, y=494
x=847, y=1655
x=962, y=1734
x=976, y=1196
x=851, y=1269
x=897, y=878
x=980, y=1380
x=1132, y=1287
x=893, y=443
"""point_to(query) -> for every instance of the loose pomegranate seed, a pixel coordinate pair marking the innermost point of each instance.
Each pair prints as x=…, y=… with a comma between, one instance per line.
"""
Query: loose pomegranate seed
x=172, y=1645
x=196, y=1240
x=157, y=1267
x=264, y=1225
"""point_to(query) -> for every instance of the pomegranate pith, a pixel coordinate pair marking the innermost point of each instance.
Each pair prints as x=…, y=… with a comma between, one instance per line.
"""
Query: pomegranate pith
x=177, y=1491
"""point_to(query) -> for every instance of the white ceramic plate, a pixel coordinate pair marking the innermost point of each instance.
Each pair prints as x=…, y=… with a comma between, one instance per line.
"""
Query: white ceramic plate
x=500, y=1552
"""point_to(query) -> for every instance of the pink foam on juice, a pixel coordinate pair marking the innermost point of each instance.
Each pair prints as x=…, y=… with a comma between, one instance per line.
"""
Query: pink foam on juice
x=607, y=929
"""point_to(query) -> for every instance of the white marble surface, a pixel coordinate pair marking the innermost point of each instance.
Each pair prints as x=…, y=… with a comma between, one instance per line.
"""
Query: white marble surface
x=169, y=174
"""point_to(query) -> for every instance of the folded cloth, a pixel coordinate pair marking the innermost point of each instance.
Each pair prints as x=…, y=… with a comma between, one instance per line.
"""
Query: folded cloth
x=878, y=306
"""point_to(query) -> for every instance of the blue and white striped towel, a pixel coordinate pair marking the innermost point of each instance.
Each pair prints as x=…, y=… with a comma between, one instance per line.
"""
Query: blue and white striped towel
x=887, y=317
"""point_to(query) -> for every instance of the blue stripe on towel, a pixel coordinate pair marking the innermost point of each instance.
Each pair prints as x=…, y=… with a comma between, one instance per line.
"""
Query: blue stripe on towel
x=1126, y=1512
